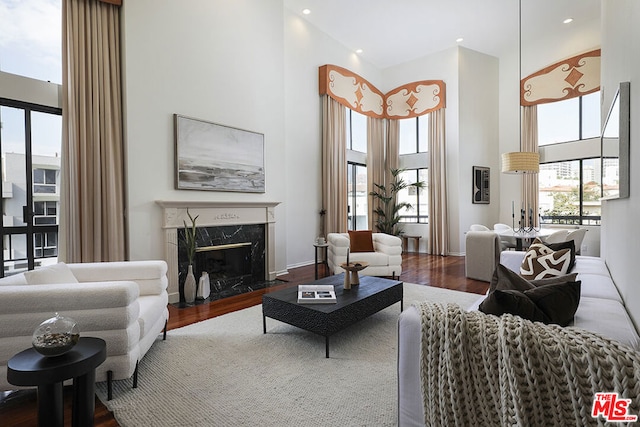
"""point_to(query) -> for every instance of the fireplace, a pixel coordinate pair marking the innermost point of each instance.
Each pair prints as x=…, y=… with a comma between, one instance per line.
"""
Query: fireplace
x=219, y=224
x=232, y=255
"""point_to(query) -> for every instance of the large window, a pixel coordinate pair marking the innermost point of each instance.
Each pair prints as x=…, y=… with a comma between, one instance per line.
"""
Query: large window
x=414, y=135
x=356, y=131
x=357, y=196
x=417, y=197
x=570, y=120
x=570, y=192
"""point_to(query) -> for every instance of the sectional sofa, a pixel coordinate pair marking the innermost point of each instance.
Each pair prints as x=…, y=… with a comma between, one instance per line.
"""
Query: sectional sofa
x=124, y=303
x=601, y=310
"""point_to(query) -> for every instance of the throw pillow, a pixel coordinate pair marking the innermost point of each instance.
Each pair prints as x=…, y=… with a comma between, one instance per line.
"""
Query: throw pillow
x=505, y=279
x=513, y=302
x=541, y=262
x=57, y=273
x=565, y=245
x=361, y=241
x=558, y=301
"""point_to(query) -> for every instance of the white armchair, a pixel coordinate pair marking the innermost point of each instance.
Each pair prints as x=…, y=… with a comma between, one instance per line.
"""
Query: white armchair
x=386, y=260
x=124, y=303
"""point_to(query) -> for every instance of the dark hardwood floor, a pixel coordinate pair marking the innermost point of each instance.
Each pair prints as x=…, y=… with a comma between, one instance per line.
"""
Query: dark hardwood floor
x=19, y=408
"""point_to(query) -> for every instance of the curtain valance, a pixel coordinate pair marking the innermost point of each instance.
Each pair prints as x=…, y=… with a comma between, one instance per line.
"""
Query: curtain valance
x=407, y=101
x=569, y=78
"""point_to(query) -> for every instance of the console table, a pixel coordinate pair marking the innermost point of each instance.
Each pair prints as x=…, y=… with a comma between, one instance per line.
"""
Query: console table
x=30, y=368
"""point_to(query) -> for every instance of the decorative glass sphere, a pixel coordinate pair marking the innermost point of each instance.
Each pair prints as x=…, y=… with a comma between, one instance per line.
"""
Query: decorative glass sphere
x=55, y=336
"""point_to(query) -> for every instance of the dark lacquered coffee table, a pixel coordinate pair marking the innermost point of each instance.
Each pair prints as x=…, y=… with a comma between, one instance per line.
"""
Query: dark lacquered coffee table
x=370, y=296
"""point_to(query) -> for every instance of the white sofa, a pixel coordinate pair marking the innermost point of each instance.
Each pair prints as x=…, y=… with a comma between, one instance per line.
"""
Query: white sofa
x=601, y=310
x=124, y=303
x=385, y=261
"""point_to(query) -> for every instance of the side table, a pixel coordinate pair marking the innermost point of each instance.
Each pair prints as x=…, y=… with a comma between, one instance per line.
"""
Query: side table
x=30, y=368
x=324, y=255
x=416, y=243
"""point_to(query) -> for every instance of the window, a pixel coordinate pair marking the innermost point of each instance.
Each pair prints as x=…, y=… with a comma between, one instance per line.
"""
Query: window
x=570, y=192
x=569, y=120
x=416, y=197
x=44, y=181
x=356, y=131
x=414, y=134
x=45, y=213
x=357, y=196
x=31, y=39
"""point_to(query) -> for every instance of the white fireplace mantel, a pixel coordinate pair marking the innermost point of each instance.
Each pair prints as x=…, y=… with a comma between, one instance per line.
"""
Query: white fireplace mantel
x=214, y=214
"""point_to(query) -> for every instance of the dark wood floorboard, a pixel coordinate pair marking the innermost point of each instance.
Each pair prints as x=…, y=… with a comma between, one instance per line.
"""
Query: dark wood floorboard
x=19, y=408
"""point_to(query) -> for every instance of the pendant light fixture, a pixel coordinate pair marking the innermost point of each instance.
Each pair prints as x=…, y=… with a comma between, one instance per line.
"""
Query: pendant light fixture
x=520, y=161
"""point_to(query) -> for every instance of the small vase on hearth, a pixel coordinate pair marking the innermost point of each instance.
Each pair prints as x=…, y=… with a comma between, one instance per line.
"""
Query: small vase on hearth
x=190, y=286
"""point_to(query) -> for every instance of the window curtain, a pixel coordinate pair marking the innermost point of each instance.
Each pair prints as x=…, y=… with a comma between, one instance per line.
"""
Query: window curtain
x=92, y=226
x=438, y=242
x=375, y=164
x=334, y=165
x=530, y=144
x=392, y=148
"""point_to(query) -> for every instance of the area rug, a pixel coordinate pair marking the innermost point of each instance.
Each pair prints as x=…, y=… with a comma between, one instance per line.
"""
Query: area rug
x=225, y=372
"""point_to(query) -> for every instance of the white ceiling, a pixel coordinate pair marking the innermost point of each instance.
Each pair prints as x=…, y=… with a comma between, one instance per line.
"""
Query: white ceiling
x=392, y=32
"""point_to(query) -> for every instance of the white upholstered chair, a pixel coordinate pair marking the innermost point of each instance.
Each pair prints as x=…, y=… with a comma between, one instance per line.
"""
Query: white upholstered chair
x=479, y=227
x=508, y=242
x=557, y=236
x=577, y=236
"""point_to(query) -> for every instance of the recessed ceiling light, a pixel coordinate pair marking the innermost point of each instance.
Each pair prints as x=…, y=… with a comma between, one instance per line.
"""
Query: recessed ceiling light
x=306, y=11
x=358, y=50
x=568, y=20
x=459, y=40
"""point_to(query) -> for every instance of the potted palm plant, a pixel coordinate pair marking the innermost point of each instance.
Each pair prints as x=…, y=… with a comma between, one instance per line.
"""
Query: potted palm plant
x=388, y=213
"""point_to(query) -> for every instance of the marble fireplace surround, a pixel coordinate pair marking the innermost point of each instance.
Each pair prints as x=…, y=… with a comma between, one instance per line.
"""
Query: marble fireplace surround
x=214, y=214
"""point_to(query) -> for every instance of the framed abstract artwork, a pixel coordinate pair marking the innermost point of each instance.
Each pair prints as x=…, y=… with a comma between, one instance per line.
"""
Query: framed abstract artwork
x=214, y=157
x=481, y=189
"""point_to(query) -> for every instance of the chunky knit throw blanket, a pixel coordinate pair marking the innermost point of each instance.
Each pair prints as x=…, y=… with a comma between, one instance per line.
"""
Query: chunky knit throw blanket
x=483, y=370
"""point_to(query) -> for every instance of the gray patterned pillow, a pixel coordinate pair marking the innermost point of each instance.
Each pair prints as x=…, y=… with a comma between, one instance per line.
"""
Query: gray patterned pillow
x=541, y=262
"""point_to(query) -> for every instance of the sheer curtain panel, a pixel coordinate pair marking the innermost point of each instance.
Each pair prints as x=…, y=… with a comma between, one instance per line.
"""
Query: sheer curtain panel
x=438, y=242
x=334, y=165
x=375, y=163
x=530, y=144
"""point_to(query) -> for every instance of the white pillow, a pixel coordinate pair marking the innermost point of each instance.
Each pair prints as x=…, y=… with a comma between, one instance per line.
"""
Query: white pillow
x=57, y=273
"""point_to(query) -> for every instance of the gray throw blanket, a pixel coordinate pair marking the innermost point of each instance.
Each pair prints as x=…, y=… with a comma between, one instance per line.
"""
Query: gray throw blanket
x=483, y=370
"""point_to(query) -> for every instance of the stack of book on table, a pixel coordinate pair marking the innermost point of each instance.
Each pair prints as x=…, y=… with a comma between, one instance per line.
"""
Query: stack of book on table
x=316, y=294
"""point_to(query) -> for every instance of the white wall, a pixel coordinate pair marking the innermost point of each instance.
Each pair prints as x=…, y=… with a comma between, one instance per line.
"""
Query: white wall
x=26, y=89
x=620, y=237
x=478, y=80
x=305, y=49
x=214, y=60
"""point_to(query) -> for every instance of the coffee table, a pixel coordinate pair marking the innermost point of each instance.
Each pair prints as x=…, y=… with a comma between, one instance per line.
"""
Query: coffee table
x=370, y=296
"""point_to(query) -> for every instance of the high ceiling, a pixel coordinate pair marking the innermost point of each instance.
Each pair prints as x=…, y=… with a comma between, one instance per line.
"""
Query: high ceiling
x=392, y=32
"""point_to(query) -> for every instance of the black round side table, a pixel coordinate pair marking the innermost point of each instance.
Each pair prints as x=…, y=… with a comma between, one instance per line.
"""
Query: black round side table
x=30, y=368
